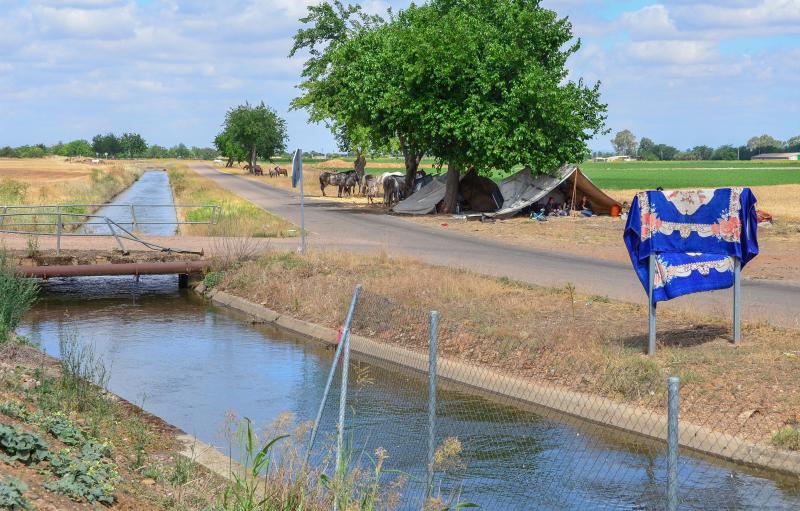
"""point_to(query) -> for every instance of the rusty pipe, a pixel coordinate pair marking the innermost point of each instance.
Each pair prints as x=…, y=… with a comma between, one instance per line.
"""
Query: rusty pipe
x=101, y=270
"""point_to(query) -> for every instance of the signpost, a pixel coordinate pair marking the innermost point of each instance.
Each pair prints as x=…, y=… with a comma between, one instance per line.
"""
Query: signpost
x=297, y=175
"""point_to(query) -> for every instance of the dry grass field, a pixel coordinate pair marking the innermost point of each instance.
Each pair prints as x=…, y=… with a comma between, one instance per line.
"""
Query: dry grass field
x=55, y=180
x=553, y=336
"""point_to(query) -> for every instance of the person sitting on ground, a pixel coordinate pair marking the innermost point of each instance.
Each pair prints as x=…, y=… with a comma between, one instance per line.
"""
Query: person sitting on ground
x=550, y=207
x=586, y=207
x=625, y=209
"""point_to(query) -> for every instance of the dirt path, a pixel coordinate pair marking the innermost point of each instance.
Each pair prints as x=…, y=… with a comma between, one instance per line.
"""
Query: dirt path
x=357, y=229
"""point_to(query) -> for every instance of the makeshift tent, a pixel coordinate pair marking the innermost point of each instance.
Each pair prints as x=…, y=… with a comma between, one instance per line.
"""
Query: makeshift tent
x=519, y=191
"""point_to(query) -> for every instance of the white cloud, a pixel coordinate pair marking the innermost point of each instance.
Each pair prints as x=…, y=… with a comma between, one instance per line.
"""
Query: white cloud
x=673, y=51
x=80, y=23
x=651, y=22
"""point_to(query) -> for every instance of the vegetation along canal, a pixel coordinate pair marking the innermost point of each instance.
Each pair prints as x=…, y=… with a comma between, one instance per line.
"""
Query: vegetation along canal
x=190, y=362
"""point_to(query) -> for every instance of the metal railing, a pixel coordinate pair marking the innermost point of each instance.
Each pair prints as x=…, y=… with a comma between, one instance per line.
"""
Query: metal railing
x=60, y=222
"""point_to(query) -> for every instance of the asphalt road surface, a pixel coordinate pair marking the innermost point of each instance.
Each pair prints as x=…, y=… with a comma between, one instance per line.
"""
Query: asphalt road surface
x=336, y=226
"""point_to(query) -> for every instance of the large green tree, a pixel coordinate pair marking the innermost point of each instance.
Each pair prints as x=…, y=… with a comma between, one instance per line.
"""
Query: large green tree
x=228, y=148
x=479, y=83
x=624, y=142
x=257, y=130
x=106, y=145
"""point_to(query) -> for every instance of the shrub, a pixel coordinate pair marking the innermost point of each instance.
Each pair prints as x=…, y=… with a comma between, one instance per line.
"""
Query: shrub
x=27, y=448
x=11, y=491
x=633, y=377
x=88, y=476
x=17, y=295
x=12, y=191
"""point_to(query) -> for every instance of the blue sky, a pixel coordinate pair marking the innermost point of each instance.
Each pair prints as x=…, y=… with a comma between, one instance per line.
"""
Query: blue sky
x=681, y=72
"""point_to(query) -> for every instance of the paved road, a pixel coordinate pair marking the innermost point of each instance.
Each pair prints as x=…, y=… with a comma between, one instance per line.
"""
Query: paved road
x=336, y=226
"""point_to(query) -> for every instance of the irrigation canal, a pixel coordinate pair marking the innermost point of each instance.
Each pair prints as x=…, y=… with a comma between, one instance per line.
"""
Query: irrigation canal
x=191, y=363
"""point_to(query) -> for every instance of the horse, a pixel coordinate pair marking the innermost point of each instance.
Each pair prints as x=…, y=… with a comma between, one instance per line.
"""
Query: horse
x=333, y=179
x=392, y=190
x=370, y=188
x=352, y=182
x=281, y=171
x=257, y=170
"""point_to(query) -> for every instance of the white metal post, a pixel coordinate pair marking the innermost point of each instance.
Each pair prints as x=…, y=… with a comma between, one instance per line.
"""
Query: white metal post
x=651, y=338
x=58, y=230
x=672, y=443
x=737, y=300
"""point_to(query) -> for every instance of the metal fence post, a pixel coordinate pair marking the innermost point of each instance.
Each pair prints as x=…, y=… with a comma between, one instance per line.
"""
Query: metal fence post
x=432, y=356
x=133, y=218
x=58, y=230
x=672, y=443
x=651, y=336
x=737, y=300
x=343, y=391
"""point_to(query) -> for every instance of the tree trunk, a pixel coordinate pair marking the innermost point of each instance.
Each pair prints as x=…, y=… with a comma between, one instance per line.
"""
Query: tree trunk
x=253, y=160
x=451, y=191
x=230, y=162
x=412, y=159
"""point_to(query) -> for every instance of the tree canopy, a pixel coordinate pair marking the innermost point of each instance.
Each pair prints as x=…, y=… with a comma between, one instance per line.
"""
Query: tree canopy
x=257, y=130
x=624, y=142
x=478, y=83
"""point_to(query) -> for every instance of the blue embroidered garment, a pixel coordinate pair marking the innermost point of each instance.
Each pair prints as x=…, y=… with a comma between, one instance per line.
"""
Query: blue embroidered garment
x=694, y=236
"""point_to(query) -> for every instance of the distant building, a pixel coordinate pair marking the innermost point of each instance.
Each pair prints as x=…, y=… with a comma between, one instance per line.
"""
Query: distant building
x=777, y=156
x=620, y=157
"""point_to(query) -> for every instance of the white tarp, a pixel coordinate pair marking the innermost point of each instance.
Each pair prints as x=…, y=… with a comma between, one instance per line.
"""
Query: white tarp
x=424, y=200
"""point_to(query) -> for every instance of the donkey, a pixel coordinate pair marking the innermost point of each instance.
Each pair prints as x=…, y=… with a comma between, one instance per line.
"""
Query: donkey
x=392, y=190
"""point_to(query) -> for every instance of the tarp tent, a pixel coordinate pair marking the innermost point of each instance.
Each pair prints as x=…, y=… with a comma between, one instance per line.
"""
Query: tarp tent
x=520, y=191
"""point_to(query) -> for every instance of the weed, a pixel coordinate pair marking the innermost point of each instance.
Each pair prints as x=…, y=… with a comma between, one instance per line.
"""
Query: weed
x=570, y=289
x=152, y=473
x=16, y=410
x=181, y=472
x=213, y=278
x=82, y=373
x=139, y=436
x=87, y=476
x=787, y=438
x=12, y=191
x=63, y=429
x=11, y=497
x=16, y=445
x=33, y=246
x=633, y=377
x=599, y=299
x=17, y=295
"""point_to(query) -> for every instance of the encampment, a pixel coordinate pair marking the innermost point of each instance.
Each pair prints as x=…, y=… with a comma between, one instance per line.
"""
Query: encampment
x=516, y=192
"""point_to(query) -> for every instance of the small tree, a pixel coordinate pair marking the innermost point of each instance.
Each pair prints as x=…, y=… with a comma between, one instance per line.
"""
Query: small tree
x=257, y=130
x=764, y=143
x=624, y=142
x=228, y=148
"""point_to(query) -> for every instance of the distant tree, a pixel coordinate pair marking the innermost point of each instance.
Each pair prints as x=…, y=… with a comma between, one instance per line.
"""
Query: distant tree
x=765, y=144
x=32, y=151
x=179, y=151
x=701, y=152
x=725, y=152
x=228, y=148
x=132, y=144
x=106, y=144
x=624, y=142
x=8, y=152
x=204, y=153
x=793, y=144
x=256, y=129
x=78, y=147
x=666, y=152
x=647, y=149
x=156, y=151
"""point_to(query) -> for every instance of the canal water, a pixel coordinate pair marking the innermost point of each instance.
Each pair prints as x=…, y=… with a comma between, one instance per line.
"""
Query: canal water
x=190, y=363
x=152, y=197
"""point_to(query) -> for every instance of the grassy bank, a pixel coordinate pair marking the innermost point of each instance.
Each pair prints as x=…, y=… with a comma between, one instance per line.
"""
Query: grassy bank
x=239, y=217
x=552, y=336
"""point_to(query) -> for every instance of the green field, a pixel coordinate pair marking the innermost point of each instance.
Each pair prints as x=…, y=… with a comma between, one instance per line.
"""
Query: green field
x=645, y=175
x=691, y=174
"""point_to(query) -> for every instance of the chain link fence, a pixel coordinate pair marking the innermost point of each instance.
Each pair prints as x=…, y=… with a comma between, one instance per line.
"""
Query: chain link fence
x=491, y=437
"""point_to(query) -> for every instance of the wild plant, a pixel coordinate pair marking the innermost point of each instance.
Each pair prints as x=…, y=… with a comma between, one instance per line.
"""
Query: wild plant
x=17, y=295
x=11, y=494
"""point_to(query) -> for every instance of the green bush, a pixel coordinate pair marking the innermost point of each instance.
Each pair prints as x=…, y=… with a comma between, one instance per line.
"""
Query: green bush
x=787, y=438
x=12, y=192
x=17, y=295
x=87, y=476
x=16, y=445
x=11, y=491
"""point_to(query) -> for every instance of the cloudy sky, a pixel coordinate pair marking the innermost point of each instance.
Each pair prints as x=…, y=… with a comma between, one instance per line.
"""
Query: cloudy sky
x=682, y=72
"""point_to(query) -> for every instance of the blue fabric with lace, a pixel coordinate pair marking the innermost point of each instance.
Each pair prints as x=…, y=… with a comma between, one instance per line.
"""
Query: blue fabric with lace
x=695, y=236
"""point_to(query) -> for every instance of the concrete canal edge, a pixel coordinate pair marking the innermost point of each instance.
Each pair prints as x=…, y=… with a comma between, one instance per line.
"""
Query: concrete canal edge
x=588, y=407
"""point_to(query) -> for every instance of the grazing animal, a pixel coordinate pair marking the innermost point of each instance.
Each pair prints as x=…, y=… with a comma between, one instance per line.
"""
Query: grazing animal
x=351, y=183
x=333, y=179
x=392, y=190
x=370, y=188
x=383, y=176
x=257, y=170
x=281, y=172
x=273, y=172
